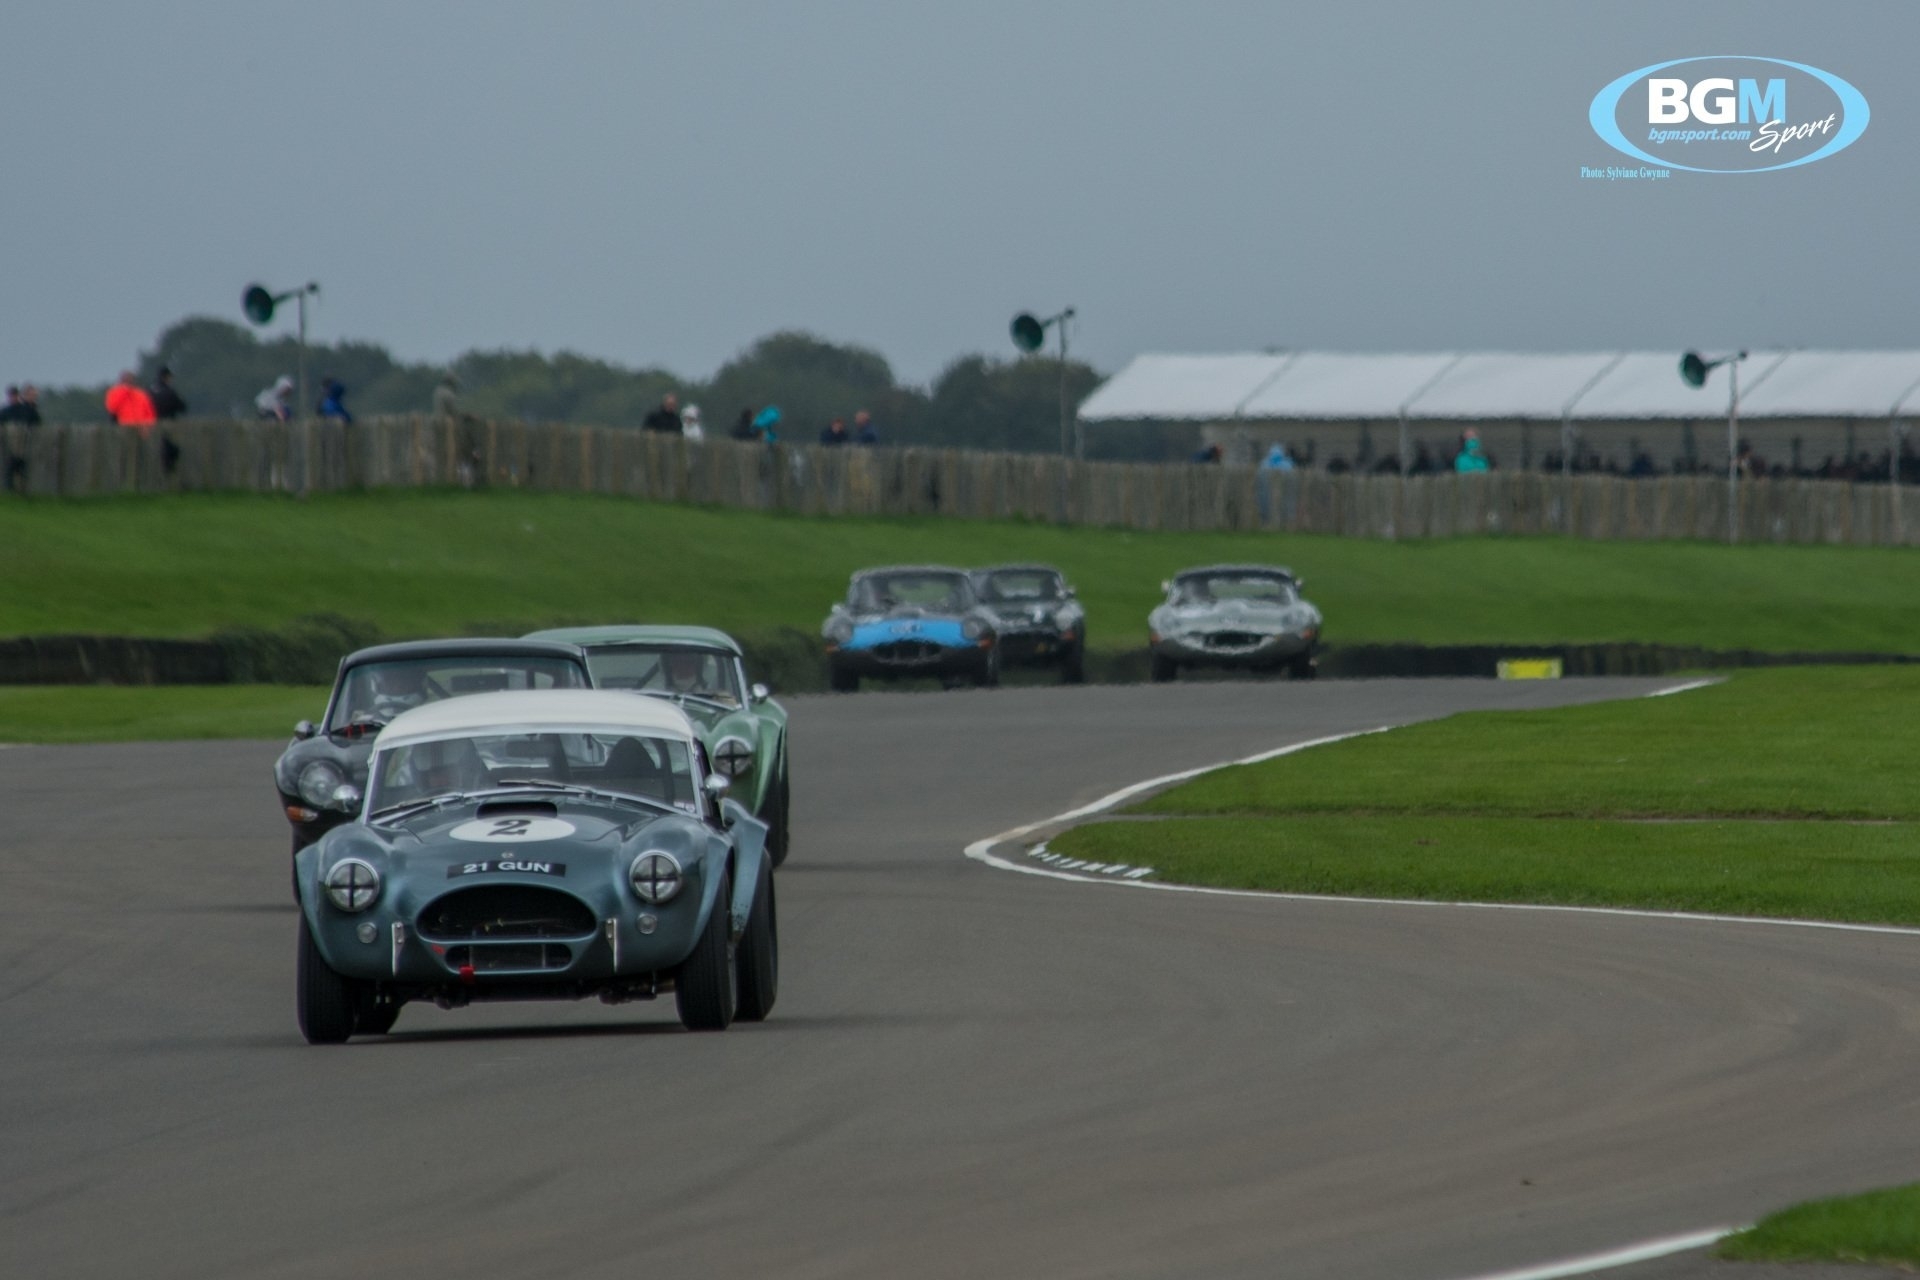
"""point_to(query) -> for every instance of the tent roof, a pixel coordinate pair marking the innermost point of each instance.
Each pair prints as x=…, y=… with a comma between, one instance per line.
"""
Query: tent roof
x=1589, y=386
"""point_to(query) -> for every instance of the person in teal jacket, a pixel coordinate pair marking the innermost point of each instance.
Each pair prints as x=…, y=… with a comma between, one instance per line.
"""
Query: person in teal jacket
x=1471, y=456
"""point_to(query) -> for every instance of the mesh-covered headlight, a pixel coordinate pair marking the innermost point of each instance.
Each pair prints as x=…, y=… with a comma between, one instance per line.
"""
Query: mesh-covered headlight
x=655, y=877
x=733, y=757
x=352, y=884
x=318, y=781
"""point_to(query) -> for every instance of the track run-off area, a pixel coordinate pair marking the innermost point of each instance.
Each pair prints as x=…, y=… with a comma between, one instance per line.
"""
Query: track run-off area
x=968, y=1073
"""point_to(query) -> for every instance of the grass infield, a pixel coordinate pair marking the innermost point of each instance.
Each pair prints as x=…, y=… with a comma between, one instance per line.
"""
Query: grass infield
x=1778, y=793
x=99, y=713
x=1880, y=1227
x=429, y=563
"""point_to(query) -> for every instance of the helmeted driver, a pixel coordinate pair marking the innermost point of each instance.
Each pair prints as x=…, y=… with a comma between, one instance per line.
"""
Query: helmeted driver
x=685, y=672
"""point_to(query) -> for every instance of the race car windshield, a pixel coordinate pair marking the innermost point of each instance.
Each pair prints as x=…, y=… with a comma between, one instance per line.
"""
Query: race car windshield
x=1211, y=588
x=701, y=673
x=647, y=765
x=1018, y=586
x=945, y=591
x=376, y=692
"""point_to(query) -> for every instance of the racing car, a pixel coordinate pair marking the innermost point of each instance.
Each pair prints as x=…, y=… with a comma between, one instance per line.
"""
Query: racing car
x=1037, y=617
x=911, y=620
x=1234, y=615
x=551, y=845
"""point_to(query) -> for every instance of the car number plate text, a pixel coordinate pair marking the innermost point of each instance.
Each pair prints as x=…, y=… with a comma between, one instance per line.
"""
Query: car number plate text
x=517, y=866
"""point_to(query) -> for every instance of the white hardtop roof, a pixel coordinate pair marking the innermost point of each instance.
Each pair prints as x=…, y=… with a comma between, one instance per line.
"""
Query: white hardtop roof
x=537, y=711
x=1488, y=385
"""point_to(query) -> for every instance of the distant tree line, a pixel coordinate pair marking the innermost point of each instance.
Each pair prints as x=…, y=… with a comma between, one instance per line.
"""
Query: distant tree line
x=976, y=402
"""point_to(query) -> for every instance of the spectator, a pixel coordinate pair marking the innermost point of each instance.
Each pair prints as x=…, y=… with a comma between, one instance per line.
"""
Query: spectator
x=1207, y=453
x=446, y=396
x=167, y=404
x=691, y=424
x=667, y=417
x=1277, y=459
x=765, y=421
x=863, y=429
x=835, y=432
x=743, y=428
x=1471, y=457
x=129, y=404
x=22, y=411
x=275, y=404
x=333, y=400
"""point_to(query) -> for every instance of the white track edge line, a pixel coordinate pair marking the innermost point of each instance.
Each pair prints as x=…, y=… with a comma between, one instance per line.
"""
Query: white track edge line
x=1646, y=1251
x=981, y=851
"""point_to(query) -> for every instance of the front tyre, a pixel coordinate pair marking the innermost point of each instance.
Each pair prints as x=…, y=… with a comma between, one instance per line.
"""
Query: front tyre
x=1303, y=667
x=703, y=986
x=325, y=1002
x=758, y=961
x=988, y=676
x=1073, y=667
x=842, y=680
x=1163, y=669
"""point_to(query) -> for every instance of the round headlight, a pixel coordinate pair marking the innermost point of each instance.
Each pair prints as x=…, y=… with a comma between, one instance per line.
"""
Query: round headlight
x=973, y=628
x=353, y=884
x=655, y=876
x=318, y=781
x=840, y=630
x=733, y=757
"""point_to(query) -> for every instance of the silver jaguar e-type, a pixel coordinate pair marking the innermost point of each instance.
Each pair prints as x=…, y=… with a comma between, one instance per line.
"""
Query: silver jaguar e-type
x=1234, y=615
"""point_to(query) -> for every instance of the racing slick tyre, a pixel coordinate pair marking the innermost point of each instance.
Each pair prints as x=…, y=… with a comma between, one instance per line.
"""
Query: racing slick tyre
x=1163, y=669
x=758, y=961
x=704, y=985
x=779, y=805
x=325, y=1002
x=1073, y=667
x=988, y=676
x=374, y=1018
x=1303, y=667
x=843, y=681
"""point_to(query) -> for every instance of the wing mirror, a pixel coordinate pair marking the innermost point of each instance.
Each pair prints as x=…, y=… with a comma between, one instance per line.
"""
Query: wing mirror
x=716, y=785
x=1072, y=594
x=1166, y=584
x=304, y=729
x=760, y=693
x=1299, y=584
x=346, y=797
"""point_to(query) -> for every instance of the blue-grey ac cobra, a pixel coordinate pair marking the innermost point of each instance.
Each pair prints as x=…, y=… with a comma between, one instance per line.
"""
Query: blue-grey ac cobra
x=537, y=845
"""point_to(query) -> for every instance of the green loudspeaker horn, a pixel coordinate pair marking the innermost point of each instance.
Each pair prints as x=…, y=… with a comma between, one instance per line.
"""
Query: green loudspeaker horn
x=258, y=304
x=1693, y=369
x=1028, y=332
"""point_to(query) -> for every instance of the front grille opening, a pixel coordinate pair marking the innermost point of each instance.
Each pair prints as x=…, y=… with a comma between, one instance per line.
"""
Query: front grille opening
x=1235, y=639
x=502, y=957
x=907, y=651
x=492, y=911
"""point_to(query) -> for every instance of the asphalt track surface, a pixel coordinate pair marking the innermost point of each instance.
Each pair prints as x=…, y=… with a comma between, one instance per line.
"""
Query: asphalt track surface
x=969, y=1073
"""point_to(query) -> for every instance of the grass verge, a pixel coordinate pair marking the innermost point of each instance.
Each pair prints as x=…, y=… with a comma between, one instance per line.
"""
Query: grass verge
x=1880, y=1227
x=429, y=563
x=1778, y=793
x=99, y=713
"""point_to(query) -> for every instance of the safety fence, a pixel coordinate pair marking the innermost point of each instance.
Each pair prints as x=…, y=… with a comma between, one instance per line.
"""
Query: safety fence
x=80, y=460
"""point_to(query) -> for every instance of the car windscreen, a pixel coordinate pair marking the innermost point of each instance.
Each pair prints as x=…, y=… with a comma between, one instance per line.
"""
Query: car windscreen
x=704, y=673
x=1265, y=588
x=944, y=591
x=376, y=692
x=1018, y=586
x=653, y=766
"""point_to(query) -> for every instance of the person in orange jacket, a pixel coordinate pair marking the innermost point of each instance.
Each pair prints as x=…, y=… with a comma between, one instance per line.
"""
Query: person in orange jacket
x=129, y=404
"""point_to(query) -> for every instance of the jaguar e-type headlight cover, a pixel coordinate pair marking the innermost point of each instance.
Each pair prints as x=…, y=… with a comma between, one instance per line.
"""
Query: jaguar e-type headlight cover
x=318, y=781
x=973, y=629
x=840, y=629
x=656, y=877
x=353, y=885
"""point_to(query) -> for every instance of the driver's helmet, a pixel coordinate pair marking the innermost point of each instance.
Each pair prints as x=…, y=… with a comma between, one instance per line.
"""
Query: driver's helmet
x=686, y=672
x=397, y=689
x=453, y=764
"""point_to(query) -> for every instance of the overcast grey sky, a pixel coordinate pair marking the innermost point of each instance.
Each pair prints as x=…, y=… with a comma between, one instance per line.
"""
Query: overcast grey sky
x=660, y=183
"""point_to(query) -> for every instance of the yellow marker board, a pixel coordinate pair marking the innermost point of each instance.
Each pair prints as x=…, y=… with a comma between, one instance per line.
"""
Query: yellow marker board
x=1529, y=668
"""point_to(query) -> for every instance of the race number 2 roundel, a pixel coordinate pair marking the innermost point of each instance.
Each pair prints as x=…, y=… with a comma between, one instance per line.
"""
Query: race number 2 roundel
x=511, y=830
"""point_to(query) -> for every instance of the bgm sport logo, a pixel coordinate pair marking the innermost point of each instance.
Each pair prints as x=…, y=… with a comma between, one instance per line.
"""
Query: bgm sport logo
x=1726, y=115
